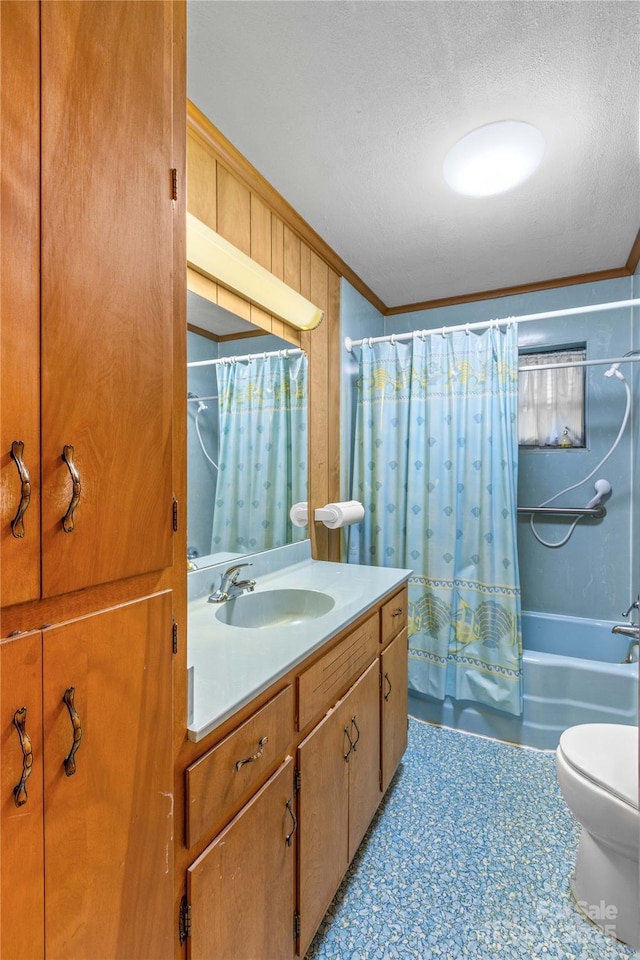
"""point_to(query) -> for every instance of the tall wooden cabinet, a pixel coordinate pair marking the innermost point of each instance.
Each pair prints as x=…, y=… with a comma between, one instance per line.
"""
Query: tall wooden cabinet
x=90, y=227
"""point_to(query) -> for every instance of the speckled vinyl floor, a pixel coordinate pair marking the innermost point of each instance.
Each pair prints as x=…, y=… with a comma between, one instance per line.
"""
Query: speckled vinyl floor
x=469, y=856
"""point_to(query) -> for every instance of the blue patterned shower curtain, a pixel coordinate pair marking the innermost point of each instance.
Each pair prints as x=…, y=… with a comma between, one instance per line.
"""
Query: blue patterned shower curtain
x=263, y=452
x=435, y=464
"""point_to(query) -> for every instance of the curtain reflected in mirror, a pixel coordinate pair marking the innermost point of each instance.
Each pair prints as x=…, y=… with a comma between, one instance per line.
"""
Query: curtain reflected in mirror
x=247, y=441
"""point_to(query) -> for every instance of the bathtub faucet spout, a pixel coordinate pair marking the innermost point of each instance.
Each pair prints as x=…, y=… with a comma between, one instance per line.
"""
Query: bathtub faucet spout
x=627, y=630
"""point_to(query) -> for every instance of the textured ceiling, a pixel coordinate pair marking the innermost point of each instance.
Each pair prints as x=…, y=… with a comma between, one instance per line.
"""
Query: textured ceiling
x=348, y=109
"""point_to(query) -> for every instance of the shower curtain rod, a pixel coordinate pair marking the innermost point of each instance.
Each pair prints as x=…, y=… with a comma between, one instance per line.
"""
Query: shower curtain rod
x=485, y=324
x=293, y=352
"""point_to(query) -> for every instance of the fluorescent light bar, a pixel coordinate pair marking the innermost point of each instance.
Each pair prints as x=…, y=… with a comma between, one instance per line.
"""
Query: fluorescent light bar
x=216, y=258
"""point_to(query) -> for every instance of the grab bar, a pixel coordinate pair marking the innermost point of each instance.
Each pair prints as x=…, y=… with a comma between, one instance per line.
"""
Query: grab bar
x=597, y=512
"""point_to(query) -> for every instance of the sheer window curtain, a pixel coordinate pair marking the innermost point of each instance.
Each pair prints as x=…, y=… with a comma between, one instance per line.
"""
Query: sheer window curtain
x=551, y=400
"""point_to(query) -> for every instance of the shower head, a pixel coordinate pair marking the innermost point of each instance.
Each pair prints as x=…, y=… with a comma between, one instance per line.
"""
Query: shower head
x=602, y=488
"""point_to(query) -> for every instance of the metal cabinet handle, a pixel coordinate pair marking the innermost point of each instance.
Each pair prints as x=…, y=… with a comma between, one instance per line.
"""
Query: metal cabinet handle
x=20, y=790
x=354, y=724
x=68, y=524
x=69, y=761
x=397, y=613
x=255, y=756
x=289, y=837
x=348, y=753
x=17, y=453
x=386, y=695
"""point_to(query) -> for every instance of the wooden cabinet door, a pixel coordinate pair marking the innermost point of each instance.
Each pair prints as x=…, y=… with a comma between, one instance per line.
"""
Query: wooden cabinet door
x=109, y=825
x=21, y=831
x=20, y=297
x=323, y=805
x=107, y=231
x=394, y=701
x=241, y=889
x=361, y=712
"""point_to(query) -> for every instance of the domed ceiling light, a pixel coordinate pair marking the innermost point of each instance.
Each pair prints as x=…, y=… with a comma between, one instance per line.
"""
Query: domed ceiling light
x=494, y=158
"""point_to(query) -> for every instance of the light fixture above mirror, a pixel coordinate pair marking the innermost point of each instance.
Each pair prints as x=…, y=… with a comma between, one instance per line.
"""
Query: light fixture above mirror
x=211, y=255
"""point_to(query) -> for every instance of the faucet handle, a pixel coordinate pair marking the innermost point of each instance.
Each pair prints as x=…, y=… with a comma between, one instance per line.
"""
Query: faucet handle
x=233, y=573
x=634, y=606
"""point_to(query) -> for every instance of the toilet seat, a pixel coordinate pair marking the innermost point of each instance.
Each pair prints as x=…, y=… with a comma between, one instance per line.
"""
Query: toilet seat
x=607, y=755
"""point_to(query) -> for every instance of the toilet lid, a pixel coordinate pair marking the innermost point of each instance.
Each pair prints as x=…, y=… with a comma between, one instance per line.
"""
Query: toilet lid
x=607, y=754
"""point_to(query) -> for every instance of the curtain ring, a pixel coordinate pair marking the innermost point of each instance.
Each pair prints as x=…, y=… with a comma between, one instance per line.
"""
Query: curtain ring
x=423, y=335
x=393, y=339
x=466, y=329
x=443, y=333
x=370, y=341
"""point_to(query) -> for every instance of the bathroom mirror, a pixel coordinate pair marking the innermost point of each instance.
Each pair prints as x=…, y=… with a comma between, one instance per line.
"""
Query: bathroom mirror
x=246, y=436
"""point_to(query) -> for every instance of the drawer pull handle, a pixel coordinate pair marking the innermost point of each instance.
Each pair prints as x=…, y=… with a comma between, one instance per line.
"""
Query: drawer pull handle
x=348, y=753
x=69, y=761
x=386, y=677
x=255, y=756
x=289, y=836
x=17, y=524
x=20, y=790
x=354, y=724
x=68, y=524
x=397, y=613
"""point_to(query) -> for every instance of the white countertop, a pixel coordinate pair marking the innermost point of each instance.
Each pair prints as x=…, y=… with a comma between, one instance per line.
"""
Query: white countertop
x=231, y=665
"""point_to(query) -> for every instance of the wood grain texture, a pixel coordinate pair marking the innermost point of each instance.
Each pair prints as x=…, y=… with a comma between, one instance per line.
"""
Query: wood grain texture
x=241, y=889
x=394, y=705
x=362, y=716
x=202, y=197
x=323, y=805
x=20, y=294
x=216, y=789
x=22, y=833
x=234, y=210
x=322, y=683
x=107, y=262
x=200, y=126
x=108, y=828
x=393, y=616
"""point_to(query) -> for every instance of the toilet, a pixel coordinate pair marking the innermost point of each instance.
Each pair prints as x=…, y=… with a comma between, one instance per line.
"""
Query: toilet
x=597, y=768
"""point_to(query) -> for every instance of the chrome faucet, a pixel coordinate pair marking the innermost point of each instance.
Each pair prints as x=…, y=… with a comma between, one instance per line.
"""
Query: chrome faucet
x=627, y=630
x=230, y=586
x=632, y=655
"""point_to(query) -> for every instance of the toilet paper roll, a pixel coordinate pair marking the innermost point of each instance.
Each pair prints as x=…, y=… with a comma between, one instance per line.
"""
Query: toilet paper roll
x=335, y=515
x=299, y=514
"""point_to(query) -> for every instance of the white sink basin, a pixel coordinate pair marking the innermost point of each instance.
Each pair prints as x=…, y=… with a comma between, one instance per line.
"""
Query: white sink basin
x=274, y=608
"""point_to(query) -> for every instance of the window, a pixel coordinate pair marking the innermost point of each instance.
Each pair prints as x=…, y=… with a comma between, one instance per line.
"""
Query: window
x=551, y=401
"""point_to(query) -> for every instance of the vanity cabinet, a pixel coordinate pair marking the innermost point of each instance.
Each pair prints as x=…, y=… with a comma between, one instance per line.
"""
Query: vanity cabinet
x=91, y=252
x=267, y=843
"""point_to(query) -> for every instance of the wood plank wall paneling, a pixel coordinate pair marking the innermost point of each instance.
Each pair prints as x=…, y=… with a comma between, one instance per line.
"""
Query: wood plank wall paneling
x=251, y=219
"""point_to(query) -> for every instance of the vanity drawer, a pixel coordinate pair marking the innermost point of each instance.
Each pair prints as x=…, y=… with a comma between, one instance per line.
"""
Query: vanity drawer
x=224, y=778
x=322, y=684
x=393, y=616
